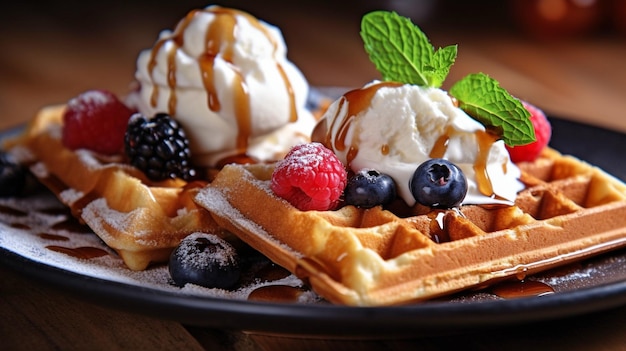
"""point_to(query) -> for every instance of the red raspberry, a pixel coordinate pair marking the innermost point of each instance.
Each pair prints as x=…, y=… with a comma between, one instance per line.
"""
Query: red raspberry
x=310, y=177
x=96, y=120
x=543, y=132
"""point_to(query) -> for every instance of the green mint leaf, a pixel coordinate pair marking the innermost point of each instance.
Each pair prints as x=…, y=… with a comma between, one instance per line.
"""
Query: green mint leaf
x=401, y=52
x=442, y=60
x=482, y=98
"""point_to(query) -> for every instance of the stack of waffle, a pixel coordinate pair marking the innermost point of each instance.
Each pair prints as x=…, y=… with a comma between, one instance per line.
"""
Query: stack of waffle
x=143, y=221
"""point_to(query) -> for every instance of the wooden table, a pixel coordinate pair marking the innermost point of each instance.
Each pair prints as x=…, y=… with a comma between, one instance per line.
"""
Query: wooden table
x=53, y=52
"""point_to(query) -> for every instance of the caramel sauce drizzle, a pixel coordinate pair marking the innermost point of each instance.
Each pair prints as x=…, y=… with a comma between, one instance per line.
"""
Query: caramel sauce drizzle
x=293, y=111
x=11, y=211
x=360, y=99
x=84, y=252
x=441, y=144
x=485, y=140
x=521, y=288
x=220, y=40
x=276, y=293
x=357, y=101
x=438, y=233
x=385, y=149
x=56, y=237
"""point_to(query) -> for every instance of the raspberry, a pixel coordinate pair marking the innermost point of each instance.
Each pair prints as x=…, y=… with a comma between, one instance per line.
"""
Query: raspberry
x=158, y=147
x=543, y=132
x=95, y=120
x=310, y=177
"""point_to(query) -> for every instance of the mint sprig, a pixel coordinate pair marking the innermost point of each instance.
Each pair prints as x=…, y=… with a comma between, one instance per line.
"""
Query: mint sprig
x=401, y=51
x=481, y=97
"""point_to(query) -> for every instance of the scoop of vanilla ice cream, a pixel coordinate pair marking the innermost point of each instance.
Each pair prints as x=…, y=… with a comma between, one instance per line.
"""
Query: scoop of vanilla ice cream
x=225, y=77
x=393, y=128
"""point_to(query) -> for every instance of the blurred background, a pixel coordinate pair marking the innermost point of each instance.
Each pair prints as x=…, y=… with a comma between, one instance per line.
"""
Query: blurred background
x=566, y=56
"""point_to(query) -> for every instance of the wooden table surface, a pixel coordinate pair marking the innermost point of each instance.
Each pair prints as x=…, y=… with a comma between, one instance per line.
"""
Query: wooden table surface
x=51, y=52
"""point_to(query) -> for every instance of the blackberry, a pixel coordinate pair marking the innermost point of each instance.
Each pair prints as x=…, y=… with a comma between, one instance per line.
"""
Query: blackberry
x=158, y=147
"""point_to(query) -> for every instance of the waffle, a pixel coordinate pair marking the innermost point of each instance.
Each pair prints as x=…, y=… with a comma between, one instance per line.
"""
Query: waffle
x=569, y=210
x=141, y=220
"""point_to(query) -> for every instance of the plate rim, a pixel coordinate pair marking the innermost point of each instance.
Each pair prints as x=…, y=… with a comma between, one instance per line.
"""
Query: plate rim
x=397, y=321
x=302, y=319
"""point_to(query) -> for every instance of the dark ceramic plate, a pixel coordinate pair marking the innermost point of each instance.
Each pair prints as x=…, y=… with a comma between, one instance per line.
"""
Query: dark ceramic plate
x=594, y=285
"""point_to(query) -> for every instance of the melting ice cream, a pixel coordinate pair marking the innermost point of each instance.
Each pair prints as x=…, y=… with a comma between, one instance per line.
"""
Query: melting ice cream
x=224, y=75
x=393, y=128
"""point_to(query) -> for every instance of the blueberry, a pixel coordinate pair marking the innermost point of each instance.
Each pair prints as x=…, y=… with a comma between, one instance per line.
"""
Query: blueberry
x=205, y=260
x=438, y=183
x=368, y=188
x=12, y=176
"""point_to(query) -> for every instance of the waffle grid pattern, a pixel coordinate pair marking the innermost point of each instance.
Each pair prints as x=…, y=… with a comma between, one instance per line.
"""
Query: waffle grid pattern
x=142, y=221
x=569, y=210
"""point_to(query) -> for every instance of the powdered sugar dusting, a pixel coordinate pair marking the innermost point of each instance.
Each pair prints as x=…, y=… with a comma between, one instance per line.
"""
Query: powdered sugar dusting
x=90, y=97
x=40, y=170
x=87, y=158
x=69, y=196
x=190, y=256
x=22, y=154
x=29, y=226
x=99, y=208
x=213, y=199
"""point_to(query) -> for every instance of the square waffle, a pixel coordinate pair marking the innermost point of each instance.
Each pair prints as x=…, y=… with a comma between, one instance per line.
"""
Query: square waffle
x=568, y=211
x=143, y=221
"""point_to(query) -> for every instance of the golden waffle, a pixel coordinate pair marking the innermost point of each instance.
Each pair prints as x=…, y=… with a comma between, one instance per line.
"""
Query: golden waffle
x=141, y=220
x=568, y=211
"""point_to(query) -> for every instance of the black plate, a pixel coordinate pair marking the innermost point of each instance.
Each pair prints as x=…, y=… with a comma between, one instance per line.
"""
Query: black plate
x=596, y=145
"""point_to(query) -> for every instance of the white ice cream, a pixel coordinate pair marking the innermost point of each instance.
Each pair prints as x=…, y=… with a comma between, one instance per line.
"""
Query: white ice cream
x=225, y=77
x=393, y=128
